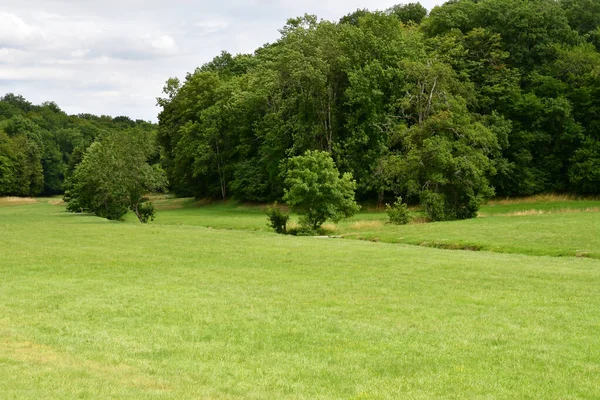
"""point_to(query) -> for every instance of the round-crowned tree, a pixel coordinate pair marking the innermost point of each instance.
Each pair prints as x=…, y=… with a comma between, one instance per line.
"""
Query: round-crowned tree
x=115, y=176
x=316, y=191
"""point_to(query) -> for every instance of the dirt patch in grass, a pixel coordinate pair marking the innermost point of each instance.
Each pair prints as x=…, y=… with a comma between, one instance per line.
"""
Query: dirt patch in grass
x=7, y=201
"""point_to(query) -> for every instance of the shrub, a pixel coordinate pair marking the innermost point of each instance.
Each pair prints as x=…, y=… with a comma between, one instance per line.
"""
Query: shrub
x=145, y=211
x=398, y=212
x=302, y=230
x=278, y=219
x=434, y=205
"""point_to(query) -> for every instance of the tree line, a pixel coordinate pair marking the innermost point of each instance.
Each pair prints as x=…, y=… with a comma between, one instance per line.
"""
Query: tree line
x=446, y=109
x=41, y=146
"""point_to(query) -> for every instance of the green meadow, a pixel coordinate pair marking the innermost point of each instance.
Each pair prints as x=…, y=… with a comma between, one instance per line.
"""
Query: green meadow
x=543, y=225
x=206, y=302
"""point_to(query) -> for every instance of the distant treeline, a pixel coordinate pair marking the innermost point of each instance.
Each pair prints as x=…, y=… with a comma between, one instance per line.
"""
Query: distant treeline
x=40, y=146
x=472, y=99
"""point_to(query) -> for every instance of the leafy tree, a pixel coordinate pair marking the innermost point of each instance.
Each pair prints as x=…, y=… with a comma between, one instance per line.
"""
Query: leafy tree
x=44, y=144
x=583, y=15
x=479, y=96
x=6, y=165
x=585, y=172
x=445, y=150
x=411, y=12
x=447, y=164
x=28, y=178
x=316, y=191
x=114, y=177
x=354, y=17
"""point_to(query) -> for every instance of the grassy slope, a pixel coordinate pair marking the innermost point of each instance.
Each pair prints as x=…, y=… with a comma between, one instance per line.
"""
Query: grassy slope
x=559, y=232
x=93, y=309
x=565, y=234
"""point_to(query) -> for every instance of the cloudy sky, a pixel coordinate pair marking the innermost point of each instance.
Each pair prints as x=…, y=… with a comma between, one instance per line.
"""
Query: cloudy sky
x=113, y=57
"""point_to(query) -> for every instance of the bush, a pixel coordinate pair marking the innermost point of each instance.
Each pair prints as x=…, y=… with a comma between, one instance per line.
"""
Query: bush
x=145, y=211
x=302, y=230
x=398, y=212
x=434, y=205
x=278, y=219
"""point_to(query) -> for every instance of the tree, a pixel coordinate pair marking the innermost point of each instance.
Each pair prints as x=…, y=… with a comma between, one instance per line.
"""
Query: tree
x=445, y=149
x=510, y=88
x=412, y=12
x=6, y=165
x=585, y=172
x=316, y=191
x=115, y=176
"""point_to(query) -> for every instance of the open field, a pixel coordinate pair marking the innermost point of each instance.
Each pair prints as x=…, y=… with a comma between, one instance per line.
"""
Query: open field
x=96, y=309
x=552, y=227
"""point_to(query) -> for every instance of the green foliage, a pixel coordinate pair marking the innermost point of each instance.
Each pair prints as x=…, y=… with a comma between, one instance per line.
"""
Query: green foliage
x=114, y=177
x=278, y=219
x=411, y=12
x=475, y=99
x=434, y=205
x=40, y=145
x=398, y=212
x=316, y=191
x=585, y=171
x=144, y=210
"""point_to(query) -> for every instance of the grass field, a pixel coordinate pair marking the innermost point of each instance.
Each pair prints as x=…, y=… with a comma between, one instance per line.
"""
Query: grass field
x=552, y=226
x=175, y=310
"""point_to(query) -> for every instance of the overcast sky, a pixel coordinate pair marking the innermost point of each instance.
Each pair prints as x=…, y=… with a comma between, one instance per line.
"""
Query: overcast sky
x=113, y=57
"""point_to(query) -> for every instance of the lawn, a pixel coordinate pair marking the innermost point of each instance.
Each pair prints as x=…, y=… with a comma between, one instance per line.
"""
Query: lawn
x=95, y=309
x=549, y=225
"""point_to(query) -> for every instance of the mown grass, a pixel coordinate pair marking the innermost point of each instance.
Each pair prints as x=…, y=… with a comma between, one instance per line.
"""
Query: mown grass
x=96, y=309
x=552, y=226
x=564, y=234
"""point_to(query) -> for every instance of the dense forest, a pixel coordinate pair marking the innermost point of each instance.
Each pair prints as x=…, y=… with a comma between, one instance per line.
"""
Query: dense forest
x=40, y=146
x=471, y=100
x=448, y=108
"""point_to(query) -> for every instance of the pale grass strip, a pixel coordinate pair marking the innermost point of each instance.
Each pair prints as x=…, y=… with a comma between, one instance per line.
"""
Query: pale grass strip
x=524, y=213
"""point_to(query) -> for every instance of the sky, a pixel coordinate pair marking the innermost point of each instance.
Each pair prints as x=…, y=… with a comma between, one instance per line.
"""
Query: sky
x=113, y=57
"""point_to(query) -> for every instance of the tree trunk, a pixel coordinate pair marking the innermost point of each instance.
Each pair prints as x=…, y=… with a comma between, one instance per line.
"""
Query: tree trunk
x=380, y=199
x=137, y=212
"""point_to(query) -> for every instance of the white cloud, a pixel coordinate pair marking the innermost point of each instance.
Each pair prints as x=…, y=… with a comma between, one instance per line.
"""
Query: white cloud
x=211, y=25
x=81, y=53
x=113, y=57
x=15, y=33
x=164, y=43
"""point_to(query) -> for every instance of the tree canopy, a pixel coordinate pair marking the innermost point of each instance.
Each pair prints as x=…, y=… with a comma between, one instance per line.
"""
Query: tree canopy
x=471, y=99
x=315, y=190
x=40, y=145
x=444, y=108
x=115, y=176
